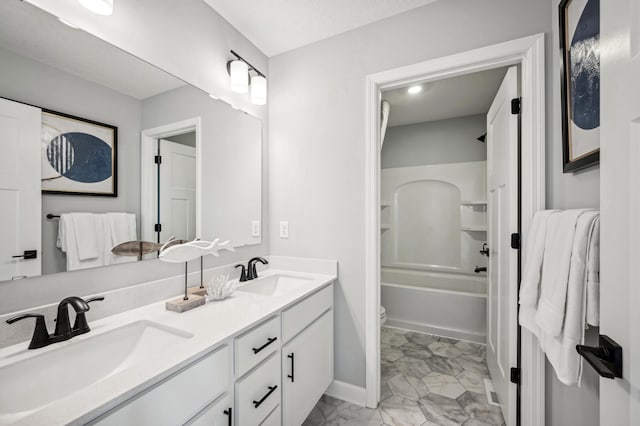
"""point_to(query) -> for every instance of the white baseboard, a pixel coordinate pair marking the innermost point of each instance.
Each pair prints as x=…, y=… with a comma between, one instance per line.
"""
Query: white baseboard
x=347, y=392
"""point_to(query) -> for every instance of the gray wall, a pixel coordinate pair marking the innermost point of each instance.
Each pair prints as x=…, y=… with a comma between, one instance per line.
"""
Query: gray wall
x=32, y=82
x=435, y=142
x=568, y=405
x=195, y=48
x=317, y=135
x=317, y=144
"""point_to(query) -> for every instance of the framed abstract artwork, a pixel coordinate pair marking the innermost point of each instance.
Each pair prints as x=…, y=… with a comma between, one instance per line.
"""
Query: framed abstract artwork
x=580, y=83
x=79, y=156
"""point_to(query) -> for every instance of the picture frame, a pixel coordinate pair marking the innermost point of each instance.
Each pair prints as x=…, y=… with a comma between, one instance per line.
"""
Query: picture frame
x=79, y=156
x=580, y=83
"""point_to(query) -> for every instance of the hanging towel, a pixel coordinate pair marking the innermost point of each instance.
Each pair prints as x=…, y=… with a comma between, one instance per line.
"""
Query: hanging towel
x=86, y=238
x=560, y=250
x=68, y=238
x=120, y=228
x=593, y=277
x=530, y=284
x=561, y=348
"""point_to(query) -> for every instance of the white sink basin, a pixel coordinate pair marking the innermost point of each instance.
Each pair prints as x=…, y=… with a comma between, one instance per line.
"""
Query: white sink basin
x=274, y=285
x=30, y=384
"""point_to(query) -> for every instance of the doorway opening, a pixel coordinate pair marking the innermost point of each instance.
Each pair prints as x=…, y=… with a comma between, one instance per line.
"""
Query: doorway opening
x=170, y=167
x=402, y=252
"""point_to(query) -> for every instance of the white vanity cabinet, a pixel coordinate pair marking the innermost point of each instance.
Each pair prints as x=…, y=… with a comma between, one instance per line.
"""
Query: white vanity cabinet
x=272, y=374
x=307, y=357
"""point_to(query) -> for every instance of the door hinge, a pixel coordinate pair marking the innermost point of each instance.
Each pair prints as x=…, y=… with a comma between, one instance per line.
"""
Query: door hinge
x=515, y=375
x=157, y=227
x=157, y=159
x=515, y=241
x=515, y=106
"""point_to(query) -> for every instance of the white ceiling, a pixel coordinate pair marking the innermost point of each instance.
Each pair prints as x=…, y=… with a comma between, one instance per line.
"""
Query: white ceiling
x=31, y=32
x=439, y=100
x=276, y=26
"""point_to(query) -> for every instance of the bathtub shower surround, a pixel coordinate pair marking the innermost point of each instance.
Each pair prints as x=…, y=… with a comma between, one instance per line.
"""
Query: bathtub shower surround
x=434, y=225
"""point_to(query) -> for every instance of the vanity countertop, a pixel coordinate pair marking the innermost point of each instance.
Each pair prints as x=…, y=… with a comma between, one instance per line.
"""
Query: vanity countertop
x=211, y=325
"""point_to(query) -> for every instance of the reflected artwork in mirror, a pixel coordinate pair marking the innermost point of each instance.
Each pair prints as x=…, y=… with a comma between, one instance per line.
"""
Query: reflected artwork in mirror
x=174, y=162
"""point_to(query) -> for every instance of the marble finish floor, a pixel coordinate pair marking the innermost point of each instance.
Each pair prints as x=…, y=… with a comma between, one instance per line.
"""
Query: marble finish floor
x=426, y=380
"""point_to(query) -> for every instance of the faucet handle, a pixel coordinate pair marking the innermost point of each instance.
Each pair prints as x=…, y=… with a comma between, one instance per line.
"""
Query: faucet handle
x=243, y=273
x=80, y=325
x=40, y=336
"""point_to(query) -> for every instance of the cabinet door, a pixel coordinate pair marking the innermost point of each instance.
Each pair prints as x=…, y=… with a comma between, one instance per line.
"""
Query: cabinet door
x=218, y=413
x=307, y=366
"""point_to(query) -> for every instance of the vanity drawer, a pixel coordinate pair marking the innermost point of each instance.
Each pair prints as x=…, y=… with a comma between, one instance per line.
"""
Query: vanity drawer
x=218, y=413
x=296, y=318
x=176, y=400
x=262, y=388
x=256, y=345
x=274, y=419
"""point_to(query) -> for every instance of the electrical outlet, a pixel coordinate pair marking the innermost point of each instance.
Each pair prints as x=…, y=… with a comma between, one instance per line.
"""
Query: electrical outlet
x=255, y=228
x=284, y=229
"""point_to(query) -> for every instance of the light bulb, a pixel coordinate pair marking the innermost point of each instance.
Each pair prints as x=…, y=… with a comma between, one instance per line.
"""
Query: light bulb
x=258, y=90
x=239, y=76
x=414, y=90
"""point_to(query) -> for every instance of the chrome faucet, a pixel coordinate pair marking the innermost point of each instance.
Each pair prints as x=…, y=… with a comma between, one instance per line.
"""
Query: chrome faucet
x=64, y=331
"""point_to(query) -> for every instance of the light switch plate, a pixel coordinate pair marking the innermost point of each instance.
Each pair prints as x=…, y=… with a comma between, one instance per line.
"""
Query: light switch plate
x=255, y=228
x=284, y=229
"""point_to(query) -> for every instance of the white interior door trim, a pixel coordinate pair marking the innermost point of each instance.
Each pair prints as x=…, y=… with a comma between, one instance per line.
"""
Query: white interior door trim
x=147, y=143
x=528, y=52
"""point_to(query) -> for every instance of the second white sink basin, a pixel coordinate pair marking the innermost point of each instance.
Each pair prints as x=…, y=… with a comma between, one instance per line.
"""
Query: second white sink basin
x=30, y=384
x=274, y=285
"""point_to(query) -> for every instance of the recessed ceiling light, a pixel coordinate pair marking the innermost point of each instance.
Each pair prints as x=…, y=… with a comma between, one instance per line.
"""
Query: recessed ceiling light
x=67, y=23
x=99, y=7
x=414, y=89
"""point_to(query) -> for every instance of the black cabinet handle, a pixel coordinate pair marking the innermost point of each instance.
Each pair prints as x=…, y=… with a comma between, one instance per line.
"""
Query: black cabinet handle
x=256, y=404
x=229, y=413
x=28, y=254
x=269, y=341
x=291, y=356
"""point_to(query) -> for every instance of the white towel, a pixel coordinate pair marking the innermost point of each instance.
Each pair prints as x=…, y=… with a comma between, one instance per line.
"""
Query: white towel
x=67, y=241
x=593, y=277
x=560, y=251
x=120, y=228
x=561, y=349
x=86, y=238
x=530, y=284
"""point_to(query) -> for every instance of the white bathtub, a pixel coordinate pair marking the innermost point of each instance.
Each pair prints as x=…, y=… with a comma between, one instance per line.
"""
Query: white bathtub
x=445, y=304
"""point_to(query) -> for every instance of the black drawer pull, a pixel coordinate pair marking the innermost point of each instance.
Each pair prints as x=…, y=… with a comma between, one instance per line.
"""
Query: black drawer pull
x=291, y=356
x=229, y=413
x=256, y=404
x=269, y=341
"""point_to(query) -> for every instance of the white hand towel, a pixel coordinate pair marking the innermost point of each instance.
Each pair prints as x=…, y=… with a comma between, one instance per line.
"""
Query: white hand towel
x=67, y=243
x=84, y=225
x=530, y=285
x=561, y=349
x=593, y=277
x=120, y=228
x=559, y=247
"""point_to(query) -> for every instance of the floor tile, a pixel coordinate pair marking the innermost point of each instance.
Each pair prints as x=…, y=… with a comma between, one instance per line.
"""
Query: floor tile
x=401, y=412
x=444, y=385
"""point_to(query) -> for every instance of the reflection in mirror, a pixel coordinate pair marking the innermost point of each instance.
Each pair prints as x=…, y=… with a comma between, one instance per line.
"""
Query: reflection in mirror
x=101, y=148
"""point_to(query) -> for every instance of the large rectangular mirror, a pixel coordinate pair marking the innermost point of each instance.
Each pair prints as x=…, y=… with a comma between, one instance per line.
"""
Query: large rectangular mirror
x=100, y=149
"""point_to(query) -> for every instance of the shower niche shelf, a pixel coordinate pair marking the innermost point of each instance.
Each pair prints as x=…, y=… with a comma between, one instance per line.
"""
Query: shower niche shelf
x=473, y=228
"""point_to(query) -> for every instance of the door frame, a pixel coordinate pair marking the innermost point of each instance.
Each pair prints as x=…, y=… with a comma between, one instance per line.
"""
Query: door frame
x=528, y=53
x=147, y=143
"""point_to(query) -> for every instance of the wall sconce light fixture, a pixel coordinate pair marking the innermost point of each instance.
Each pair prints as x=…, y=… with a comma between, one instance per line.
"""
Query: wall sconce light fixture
x=240, y=72
x=99, y=7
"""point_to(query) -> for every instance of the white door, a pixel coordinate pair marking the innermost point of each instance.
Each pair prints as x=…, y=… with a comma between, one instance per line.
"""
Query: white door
x=307, y=369
x=20, y=199
x=177, y=195
x=502, y=176
x=620, y=204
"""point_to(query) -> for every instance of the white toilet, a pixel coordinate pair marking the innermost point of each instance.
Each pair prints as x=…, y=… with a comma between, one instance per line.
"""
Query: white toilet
x=383, y=316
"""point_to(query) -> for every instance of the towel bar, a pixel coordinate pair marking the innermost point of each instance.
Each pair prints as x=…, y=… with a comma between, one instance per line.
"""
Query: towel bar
x=606, y=359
